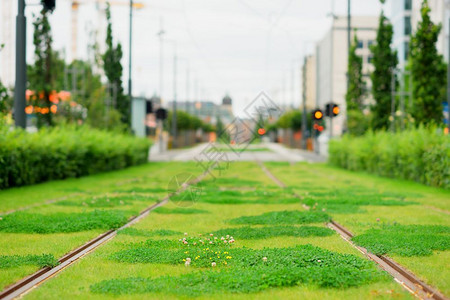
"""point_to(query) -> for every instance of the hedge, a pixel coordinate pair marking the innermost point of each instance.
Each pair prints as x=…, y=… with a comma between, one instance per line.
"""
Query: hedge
x=63, y=152
x=422, y=155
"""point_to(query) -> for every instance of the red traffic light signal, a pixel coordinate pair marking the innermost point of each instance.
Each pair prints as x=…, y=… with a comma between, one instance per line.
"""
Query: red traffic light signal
x=317, y=115
x=261, y=131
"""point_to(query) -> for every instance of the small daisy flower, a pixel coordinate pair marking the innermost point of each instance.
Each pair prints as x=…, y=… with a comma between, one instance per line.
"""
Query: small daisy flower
x=185, y=233
x=187, y=263
x=213, y=264
x=264, y=259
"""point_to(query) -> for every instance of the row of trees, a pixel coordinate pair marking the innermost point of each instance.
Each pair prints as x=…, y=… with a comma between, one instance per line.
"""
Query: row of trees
x=100, y=105
x=425, y=65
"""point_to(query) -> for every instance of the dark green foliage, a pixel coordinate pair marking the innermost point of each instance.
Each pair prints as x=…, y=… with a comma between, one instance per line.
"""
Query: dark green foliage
x=428, y=71
x=21, y=222
x=246, y=271
x=179, y=210
x=235, y=182
x=146, y=233
x=113, y=71
x=422, y=155
x=405, y=240
x=355, y=91
x=384, y=61
x=4, y=99
x=12, y=261
x=274, y=231
x=186, y=121
x=283, y=217
x=64, y=152
x=293, y=120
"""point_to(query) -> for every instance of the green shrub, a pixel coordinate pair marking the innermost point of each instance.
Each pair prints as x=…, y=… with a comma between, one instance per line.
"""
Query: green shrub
x=58, y=153
x=422, y=155
x=283, y=217
x=42, y=261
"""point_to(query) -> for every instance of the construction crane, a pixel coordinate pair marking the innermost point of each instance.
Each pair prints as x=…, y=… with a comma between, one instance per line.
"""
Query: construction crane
x=75, y=6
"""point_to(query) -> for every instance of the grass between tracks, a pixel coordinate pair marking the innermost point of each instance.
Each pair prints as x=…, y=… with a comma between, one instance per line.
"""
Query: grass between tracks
x=86, y=207
x=301, y=258
x=407, y=221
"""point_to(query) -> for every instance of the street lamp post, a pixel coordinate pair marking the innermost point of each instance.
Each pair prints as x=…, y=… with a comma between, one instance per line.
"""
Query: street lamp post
x=130, y=97
x=21, y=67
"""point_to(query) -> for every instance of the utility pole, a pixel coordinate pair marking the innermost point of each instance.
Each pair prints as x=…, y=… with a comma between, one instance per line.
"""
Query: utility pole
x=448, y=79
x=130, y=97
x=161, y=82
x=349, y=26
x=174, y=112
x=304, y=105
x=21, y=67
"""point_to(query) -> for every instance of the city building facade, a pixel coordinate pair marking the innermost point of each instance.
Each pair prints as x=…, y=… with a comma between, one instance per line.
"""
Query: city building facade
x=332, y=62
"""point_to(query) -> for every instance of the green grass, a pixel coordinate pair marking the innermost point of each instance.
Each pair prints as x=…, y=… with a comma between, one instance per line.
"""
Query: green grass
x=405, y=240
x=274, y=231
x=247, y=271
x=147, y=233
x=283, y=217
x=44, y=260
x=158, y=263
x=363, y=203
x=21, y=222
x=179, y=210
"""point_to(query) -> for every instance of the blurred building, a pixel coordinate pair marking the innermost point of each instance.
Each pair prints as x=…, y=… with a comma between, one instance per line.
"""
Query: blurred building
x=405, y=16
x=332, y=59
x=208, y=111
x=309, y=81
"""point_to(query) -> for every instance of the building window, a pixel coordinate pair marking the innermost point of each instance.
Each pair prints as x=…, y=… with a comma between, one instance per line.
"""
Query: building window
x=408, y=4
x=407, y=25
x=406, y=49
x=370, y=43
x=360, y=44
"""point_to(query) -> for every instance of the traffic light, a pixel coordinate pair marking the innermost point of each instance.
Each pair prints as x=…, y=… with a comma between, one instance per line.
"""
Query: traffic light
x=331, y=110
x=317, y=115
x=261, y=131
x=148, y=106
x=335, y=110
x=161, y=114
x=49, y=4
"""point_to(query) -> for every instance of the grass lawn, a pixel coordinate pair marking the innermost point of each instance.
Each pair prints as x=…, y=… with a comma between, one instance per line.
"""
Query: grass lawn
x=407, y=221
x=279, y=251
x=101, y=202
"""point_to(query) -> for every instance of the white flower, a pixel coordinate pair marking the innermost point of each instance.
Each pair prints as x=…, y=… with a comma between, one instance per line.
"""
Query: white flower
x=231, y=238
x=187, y=263
x=210, y=242
x=225, y=242
x=222, y=238
x=184, y=242
x=195, y=243
x=319, y=260
x=213, y=264
x=228, y=235
x=211, y=234
x=188, y=259
x=264, y=259
x=185, y=234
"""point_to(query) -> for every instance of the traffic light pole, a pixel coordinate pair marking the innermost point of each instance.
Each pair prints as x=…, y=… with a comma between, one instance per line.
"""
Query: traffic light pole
x=21, y=67
x=448, y=83
x=304, y=120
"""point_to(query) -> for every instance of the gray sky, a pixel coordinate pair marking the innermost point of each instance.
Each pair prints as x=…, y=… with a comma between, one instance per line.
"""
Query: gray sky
x=238, y=47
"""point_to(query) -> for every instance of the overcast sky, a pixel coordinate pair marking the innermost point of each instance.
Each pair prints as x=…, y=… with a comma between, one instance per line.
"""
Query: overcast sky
x=238, y=47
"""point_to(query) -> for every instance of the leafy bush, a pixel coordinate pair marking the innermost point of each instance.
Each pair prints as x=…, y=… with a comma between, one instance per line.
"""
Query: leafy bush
x=58, y=153
x=422, y=155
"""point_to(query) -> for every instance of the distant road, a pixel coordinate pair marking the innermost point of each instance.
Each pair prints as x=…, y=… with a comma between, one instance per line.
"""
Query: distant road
x=254, y=152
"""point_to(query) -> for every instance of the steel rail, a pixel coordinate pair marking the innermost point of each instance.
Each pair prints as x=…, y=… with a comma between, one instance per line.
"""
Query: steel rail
x=402, y=276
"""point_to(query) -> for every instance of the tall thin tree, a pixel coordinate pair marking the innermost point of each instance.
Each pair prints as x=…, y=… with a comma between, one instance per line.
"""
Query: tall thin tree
x=428, y=71
x=384, y=61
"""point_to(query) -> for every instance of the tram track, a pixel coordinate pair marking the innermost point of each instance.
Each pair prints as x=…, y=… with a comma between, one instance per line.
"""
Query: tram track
x=30, y=282
x=401, y=275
